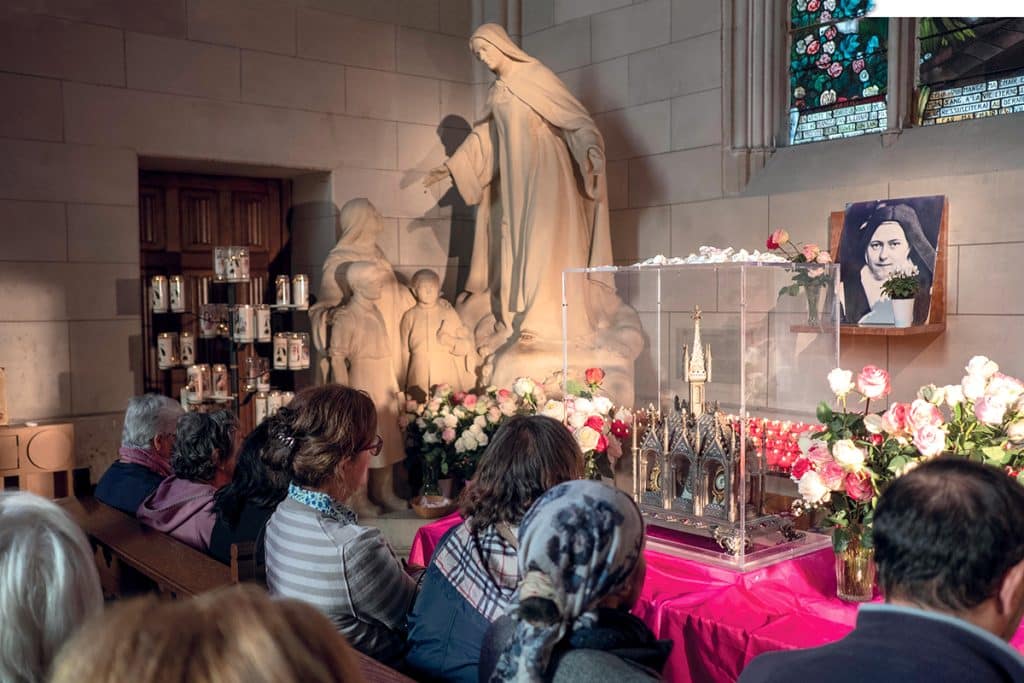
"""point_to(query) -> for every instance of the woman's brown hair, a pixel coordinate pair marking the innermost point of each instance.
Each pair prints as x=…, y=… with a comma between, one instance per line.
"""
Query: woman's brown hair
x=527, y=456
x=232, y=635
x=329, y=423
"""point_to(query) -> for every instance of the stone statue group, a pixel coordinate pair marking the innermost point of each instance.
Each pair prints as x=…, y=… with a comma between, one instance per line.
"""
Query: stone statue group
x=534, y=167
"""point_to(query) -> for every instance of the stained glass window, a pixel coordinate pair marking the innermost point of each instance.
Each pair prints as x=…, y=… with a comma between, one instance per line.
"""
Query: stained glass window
x=970, y=68
x=838, y=70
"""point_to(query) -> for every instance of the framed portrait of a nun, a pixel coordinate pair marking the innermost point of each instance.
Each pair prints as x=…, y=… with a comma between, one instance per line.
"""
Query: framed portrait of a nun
x=887, y=236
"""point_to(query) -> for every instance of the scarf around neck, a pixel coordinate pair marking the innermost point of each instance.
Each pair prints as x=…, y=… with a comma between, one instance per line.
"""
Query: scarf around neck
x=145, y=457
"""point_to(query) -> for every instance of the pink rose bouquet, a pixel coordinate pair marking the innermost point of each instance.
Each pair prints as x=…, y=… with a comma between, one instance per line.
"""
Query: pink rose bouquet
x=798, y=252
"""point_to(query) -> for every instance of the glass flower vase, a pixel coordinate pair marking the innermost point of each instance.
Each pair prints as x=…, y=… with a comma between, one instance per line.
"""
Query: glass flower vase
x=855, y=572
x=813, y=293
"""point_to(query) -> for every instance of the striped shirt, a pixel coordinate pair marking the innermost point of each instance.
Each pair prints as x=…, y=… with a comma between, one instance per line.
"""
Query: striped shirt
x=347, y=571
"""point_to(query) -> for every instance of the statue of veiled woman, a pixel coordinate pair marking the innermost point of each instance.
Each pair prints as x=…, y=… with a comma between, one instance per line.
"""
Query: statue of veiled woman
x=534, y=166
x=360, y=226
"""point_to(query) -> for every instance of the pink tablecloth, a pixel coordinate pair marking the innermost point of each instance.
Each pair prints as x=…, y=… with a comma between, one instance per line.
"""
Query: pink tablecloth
x=721, y=619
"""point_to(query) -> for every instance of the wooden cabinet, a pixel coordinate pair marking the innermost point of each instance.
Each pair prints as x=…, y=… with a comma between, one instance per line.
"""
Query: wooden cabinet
x=182, y=218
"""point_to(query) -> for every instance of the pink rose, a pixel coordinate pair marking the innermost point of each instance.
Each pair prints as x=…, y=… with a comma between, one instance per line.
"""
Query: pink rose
x=858, y=486
x=857, y=65
x=924, y=413
x=824, y=257
x=504, y=394
x=819, y=453
x=834, y=69
x=990, y=409
x=824, y=60
x=833, y=475
x=813, y=47
x=780, y=237
x=813, y=5
x=469, y=400
x=448, y=435
x=811, y=251
x=929, y=440
x=826, y=16
x=830, y=33
x=800, y=467
x=896, y=418
x=873, y=382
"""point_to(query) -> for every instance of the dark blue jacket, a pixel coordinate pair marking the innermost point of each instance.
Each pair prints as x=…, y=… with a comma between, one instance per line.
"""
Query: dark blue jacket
x=125, y=485
x=445, y=631
x=896, y=644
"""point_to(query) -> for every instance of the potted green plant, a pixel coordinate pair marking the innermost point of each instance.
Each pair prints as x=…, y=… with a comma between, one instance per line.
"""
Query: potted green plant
x=902, y=287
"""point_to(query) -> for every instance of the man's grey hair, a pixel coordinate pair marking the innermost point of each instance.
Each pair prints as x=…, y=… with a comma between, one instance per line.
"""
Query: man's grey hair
x=147, y=416
x=48, y=584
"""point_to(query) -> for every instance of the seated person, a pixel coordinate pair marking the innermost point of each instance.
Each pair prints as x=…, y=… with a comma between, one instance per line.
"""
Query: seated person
x=316, y=549
x=203, y=461
x=146, y=445
x=229, y=635
x=259, y=483
x=48, y=585
x=581, y=558
x=473, y=573
x=949, y=546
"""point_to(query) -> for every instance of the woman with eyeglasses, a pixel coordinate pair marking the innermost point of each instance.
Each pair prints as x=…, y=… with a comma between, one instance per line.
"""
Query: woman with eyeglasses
x=316, y=550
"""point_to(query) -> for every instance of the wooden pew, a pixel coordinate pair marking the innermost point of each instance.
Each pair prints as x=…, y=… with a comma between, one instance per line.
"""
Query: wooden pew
x=134, y=559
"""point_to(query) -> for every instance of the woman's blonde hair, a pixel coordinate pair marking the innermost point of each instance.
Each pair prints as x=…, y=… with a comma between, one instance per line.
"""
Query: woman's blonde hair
x=232, y=635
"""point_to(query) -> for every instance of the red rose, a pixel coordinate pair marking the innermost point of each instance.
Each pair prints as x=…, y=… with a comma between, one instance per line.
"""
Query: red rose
x=595, y=422
x=813, y=47
x=458, y=396
x=814, y=5
x=858, y=486
x=770, y=243
x=800, y=468
x=876, y=439
x=602, y=444
x=593, y=375
x=834, y=69
x=620, y=429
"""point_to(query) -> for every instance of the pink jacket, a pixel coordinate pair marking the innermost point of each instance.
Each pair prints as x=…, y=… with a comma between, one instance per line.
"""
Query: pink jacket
x=181, y=508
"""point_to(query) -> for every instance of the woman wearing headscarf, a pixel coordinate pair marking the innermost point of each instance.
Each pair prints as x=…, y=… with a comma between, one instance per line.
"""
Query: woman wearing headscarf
x=580, y=556
x=890, y=241
x=360, y=226
x=535, y=169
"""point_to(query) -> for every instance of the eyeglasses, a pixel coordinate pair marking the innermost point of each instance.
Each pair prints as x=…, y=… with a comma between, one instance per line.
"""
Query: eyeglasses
x=376, y=446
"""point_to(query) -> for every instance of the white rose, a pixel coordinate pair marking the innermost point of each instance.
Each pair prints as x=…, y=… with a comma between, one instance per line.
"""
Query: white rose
x=846, y=453
x=584, y=405
x=482, y=439
x=459, y=412
x=587, y=438
x=469, y=438
x=973, y=386
x=450, y=421
x=603, y=405
x=421, y=423
x=873, y=423
x=430, y=437
x=813, y=489
x=577, y=420
x=929, y=440
x=933, y=394
x=480, y=421
x=953, y=394
x=440, y=423
x=1015, y=432
x=460, y=445
x=1007, y=388
x=507, y=408
x=981, y=365
x=524, y=386
x=840, y=382
x=475, y=430
x=554, y=409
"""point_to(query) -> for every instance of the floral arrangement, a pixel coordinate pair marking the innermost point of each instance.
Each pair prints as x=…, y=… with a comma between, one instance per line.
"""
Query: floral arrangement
x=845, y=466
x=902, y=285
x=796, y=252
x=450, y=430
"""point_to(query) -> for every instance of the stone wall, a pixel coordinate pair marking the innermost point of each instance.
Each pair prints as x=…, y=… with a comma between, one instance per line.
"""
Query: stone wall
x=651, y=72
x=346, y=97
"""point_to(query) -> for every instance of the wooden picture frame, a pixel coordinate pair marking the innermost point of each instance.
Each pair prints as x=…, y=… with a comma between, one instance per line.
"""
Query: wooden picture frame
x=935, y=322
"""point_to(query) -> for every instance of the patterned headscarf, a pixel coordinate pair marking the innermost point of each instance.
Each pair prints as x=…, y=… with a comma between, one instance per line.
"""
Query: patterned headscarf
x=578, y=543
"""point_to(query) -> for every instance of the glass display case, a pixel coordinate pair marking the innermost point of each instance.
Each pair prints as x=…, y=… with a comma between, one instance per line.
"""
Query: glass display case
x=735, y=357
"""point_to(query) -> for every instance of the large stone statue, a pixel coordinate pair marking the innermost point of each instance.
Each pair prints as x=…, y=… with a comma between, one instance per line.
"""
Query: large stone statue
x=360, y=225
x=535, y=169
x=436, y=346
x=361, y=357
